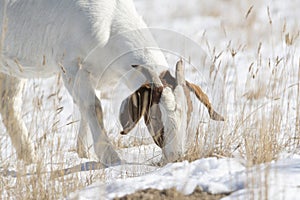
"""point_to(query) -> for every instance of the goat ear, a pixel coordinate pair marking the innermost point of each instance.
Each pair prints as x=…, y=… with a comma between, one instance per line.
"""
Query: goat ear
x=204, y=99
x=154, y=124
x=134, y=107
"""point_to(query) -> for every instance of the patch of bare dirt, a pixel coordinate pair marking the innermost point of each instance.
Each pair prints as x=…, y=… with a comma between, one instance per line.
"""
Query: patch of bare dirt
x=171, y=194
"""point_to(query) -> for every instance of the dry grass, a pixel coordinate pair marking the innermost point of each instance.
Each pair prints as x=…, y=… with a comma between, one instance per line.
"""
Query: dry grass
x=263, y=121
x=21, y=181
x=264, y=116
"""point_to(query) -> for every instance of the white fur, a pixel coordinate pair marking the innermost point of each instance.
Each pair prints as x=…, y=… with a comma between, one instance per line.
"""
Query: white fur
x=174, y=112
x=91, y=43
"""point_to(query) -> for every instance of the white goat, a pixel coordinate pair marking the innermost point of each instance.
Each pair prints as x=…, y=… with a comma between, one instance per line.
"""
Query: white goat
x=92, y=43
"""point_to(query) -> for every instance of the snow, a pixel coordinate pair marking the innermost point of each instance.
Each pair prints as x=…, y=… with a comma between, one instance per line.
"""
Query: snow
x=222, y=24
x=276, y=180
x=217, y=28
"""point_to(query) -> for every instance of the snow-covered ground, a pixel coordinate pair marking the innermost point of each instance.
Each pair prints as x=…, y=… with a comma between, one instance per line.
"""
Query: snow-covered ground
x=276, y=180
x=257, y=33
x=254, y=46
